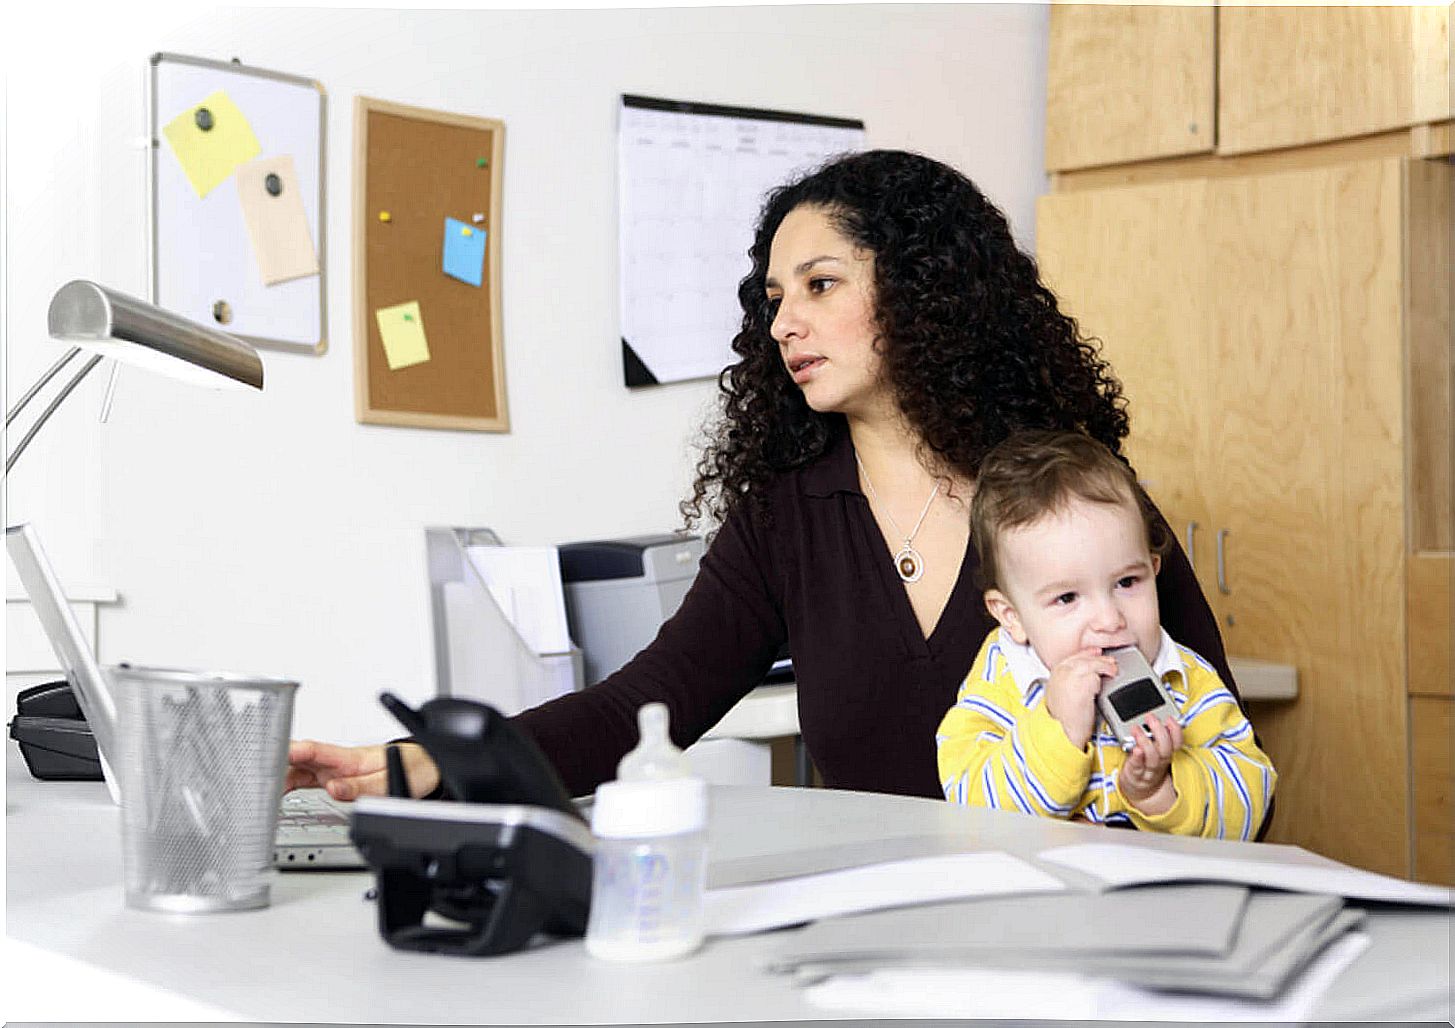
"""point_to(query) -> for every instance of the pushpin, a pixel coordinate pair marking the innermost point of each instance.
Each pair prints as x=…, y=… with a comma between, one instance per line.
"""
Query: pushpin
x=466, y=230
x=409, y=317
x=478, y=218
x=482, y=162
x=383, y=215
x=203, y=118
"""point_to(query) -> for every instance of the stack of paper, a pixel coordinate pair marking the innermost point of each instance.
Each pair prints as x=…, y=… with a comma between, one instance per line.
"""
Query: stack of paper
x=1147, y=927
x=1203, y=938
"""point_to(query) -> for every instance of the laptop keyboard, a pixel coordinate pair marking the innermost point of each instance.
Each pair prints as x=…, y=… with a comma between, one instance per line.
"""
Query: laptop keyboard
x=304, y=809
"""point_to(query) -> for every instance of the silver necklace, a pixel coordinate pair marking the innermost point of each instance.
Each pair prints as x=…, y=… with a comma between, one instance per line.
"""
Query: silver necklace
x=908, y=562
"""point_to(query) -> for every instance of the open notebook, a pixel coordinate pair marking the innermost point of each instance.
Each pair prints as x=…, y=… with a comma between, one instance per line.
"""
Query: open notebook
x=313, y=831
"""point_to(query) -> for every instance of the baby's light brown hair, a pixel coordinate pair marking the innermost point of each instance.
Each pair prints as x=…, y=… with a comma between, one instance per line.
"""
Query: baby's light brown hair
x=1035, y=473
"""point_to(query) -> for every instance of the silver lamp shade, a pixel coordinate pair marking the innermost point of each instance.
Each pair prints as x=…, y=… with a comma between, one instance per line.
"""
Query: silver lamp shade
x=115, y=325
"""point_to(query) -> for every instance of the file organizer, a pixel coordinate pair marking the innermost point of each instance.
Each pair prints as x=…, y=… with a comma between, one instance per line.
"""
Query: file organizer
x=477, y=651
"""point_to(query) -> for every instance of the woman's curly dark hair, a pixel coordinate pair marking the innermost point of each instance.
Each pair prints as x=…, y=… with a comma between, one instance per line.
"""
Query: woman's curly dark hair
x=973, y=345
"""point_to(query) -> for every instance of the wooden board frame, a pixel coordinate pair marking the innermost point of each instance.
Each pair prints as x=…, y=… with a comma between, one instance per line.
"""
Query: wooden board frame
x=424, y=403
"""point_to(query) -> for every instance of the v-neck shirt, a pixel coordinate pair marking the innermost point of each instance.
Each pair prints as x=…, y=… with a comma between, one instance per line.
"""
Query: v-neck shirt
x=813, y=570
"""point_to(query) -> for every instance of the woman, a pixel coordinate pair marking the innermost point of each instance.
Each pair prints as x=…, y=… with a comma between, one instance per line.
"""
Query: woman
x=892, y=334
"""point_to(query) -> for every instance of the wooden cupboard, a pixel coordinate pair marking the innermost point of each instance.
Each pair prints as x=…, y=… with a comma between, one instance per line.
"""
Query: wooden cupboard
x=1129, y=83
x=1133, y=83
x=1261, y=325
x=1290, y=75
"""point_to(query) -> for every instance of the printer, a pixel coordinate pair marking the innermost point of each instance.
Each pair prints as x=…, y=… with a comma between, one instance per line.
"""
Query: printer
x=619, y=591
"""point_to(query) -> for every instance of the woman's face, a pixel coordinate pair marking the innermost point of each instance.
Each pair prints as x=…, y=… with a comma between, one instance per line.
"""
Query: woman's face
x=821, y=290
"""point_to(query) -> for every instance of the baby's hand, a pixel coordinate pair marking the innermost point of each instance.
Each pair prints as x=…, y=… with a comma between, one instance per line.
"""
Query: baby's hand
x=1071, y=692
x=1146, y=777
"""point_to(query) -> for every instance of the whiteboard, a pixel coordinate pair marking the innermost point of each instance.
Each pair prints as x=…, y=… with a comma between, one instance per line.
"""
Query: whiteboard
x=200, y=249
x=692, y=178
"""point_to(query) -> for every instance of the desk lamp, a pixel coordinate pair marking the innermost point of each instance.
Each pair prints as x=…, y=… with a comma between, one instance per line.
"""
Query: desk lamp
x=111, y=324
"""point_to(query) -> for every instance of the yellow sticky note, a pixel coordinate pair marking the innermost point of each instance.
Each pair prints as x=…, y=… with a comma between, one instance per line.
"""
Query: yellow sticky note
x=402, y=329
x=209, y=155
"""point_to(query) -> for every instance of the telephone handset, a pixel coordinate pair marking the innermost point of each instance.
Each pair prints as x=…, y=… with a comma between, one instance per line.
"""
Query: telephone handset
x=481, y=756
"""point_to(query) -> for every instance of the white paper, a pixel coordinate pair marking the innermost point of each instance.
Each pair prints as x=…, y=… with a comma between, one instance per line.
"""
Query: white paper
x=690, y=190
x=983, y=992
x=1119, y=865
x=899, y=883
x=526, y=584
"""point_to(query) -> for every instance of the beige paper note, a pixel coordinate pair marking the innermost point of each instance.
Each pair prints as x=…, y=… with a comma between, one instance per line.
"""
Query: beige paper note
x=272, y=206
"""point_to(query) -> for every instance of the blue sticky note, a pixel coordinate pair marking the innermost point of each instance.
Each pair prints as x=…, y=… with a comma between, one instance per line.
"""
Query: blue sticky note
x=464, y=251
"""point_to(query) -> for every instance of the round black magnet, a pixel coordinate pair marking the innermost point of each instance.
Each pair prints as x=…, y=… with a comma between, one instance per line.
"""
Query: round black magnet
x=203, y=117
x=273, y=184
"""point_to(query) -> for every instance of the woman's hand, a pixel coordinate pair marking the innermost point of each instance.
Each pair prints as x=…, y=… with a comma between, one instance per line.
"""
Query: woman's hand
x=1071, y=692
x=348, y=772
x=1146, y=776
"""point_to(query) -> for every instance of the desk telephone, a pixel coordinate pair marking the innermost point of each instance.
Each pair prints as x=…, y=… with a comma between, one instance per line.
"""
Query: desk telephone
x=504, y=857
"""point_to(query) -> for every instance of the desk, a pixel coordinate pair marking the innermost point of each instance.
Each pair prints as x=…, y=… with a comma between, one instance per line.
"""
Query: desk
x=315, y=955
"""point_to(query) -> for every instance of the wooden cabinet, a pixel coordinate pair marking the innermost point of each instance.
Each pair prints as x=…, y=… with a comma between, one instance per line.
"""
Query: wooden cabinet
x=1289, y=76
x=1431, y=727
x=1259, y=324
x=1128, y=83
x=1134, y=83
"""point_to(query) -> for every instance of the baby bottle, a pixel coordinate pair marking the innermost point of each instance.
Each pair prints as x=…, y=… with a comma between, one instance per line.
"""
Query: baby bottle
x=651, y=852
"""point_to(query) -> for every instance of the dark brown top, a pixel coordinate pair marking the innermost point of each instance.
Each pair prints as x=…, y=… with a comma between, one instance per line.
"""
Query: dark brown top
x=871, y=688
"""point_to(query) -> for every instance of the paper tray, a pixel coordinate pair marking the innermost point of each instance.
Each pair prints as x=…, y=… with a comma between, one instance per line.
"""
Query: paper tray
x=477, y=651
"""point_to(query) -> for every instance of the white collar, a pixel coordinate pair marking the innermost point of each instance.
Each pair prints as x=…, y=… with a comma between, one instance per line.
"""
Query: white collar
x=1027, y=670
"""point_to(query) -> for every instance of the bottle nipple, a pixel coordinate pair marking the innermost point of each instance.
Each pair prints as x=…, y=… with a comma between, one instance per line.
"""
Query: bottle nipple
x=655, y=758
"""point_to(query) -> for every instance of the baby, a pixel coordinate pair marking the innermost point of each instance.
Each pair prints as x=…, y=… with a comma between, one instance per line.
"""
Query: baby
x=1069, y=552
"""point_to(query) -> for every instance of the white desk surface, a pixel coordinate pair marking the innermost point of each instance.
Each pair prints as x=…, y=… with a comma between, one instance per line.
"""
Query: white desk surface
x=315, y=955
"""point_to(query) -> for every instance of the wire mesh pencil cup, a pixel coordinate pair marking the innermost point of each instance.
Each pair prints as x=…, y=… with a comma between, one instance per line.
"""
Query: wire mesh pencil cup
x=202, y=761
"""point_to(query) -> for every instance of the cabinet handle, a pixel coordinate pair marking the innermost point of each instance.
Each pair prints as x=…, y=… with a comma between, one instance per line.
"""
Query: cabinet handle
x=1191, y=554
x=1222, y=562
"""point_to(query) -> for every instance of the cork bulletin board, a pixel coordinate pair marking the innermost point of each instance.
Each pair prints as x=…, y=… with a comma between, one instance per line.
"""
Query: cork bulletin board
x=428, y=348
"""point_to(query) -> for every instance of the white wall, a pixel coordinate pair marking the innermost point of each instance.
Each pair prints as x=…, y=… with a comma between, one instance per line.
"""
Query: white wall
x=272, y=533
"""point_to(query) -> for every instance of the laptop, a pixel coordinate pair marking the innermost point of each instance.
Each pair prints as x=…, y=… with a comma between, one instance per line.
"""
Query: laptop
x=313, y=830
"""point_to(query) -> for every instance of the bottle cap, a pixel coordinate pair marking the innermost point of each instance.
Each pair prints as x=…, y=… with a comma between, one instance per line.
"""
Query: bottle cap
x=635, y=810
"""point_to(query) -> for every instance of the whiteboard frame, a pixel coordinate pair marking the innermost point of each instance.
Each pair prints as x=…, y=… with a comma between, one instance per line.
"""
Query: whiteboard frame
x=153, y=246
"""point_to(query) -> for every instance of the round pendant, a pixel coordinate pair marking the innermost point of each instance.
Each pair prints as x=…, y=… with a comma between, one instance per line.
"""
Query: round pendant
x=908, y=563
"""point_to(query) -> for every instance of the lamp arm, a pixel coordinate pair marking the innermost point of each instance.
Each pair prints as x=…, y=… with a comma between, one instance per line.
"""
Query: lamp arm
x=51, y=409
x=40, y=384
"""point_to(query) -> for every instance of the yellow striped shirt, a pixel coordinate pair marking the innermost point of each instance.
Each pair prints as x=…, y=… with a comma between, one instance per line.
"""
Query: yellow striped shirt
x=998, y=747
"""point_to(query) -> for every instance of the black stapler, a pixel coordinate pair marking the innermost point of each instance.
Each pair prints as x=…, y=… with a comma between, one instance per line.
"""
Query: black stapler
x=505, y=857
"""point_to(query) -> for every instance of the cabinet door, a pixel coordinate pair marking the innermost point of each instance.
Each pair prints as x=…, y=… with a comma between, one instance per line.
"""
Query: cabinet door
x=1432, y=769
x=1256, y=325
x=1306, y=336
x=1294, y=75
x=1130, y=265
x=1128, y=83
